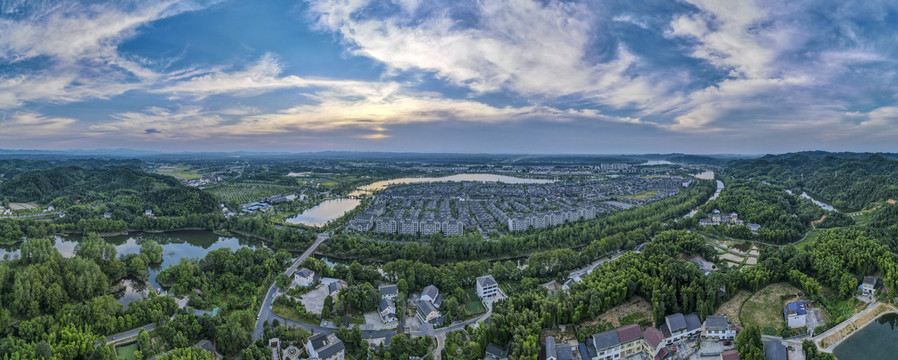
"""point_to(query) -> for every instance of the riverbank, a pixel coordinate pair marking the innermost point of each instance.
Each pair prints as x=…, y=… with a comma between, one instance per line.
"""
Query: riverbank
x=830, y=339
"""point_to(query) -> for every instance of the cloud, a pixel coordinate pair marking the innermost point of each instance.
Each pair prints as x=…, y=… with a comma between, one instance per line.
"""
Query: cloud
x=33, y=125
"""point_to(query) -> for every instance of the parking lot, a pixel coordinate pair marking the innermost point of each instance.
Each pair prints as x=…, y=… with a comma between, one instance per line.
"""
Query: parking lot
x=314, y=300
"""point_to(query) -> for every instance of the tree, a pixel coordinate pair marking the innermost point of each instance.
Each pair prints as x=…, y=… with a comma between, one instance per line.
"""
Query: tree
x=282, y=281
x=749, y=345
x=328, y=307
x=152, y=250
x=145, y=343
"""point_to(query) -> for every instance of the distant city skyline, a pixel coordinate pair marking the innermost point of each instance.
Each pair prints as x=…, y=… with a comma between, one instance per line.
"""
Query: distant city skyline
x=503, y=76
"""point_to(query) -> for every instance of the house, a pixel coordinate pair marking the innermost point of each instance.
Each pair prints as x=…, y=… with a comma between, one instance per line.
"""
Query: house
x=494, y=352
x=705, y=222
x=304, y=277
x=730, y=355
x=388, y=291
x=487, y=287
x=432, y=294
x=775, y=350
x=387, y=310
x=868, y=287
x=565, y=352
x=796, y=314
x=706, y=267
x=334, y=287
x=551, y=352
x=107, y=215
x=325, y=347
x=718, y=327
x=624, y=342
x=148, y=212
x=753, y=227
x=427, y=312
x=677, y=327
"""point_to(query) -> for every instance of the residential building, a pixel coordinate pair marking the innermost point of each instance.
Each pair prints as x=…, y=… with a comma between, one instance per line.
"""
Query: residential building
x=388, y=291
x=487, y=287
x=718, y=327
x=677, y=327
x=796, y=314
x=775, y=350
x=335, y=286
x=432, y=295
x=304, y=277
x=730, y=355
x=427, y=312
x=453, y=228
x=387, y=311
x=551, y=352
x=626, y=341
x=107, y=215
x=325, y=347
x=868, y=287
x=148, y=212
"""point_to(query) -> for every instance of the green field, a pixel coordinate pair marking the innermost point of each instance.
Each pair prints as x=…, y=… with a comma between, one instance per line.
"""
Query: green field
x=126, y=351
x=243, y=193
x=474, y=306
x=641, y=196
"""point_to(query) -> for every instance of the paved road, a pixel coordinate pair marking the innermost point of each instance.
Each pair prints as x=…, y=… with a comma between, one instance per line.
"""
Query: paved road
x=128, y=334
x=265, y=313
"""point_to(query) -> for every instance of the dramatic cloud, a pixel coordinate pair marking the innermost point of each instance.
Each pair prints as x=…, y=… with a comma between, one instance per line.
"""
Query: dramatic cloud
x=28, y=124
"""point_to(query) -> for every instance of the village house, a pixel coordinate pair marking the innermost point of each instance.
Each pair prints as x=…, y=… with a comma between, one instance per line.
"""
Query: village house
x=304, y=277
x=796, y=314
x=627, y=341
x=719, y=328
x=677, y=327
x=388, y=291
x=494, y=352
x=868, y=287
x=487, y=287
x=387, y=311
x=325, y=347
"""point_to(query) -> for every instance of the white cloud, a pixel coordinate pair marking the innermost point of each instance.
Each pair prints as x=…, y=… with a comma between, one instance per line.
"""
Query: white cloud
x=32, y=125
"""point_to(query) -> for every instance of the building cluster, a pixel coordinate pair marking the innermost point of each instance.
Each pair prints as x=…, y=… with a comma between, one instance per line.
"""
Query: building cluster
x=451, y=208
x=634, y=341
x=205, y=180
x=265, y=204
x=387, y=306
x=428, y=305
x=716, y=218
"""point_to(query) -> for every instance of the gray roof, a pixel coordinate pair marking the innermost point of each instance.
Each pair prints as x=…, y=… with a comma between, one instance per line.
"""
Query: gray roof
x=487, y=280
x=775, y=350
x=495, y=351
x=305, y=272
x=331, y=349
x=716, y=323
x=675, y=322
x=693, y=322
x=318, y=340
x=384, y=304
x=550, y=348
x=388, y=290
x=565, y=352
x=606, y=340
x=431, y=291
x=425, y=307
x=870, y=280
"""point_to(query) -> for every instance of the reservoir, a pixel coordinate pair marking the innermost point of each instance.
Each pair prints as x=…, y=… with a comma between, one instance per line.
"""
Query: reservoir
x=875, y=341
x=176, y=245
x=325, y=211
x=380, y=185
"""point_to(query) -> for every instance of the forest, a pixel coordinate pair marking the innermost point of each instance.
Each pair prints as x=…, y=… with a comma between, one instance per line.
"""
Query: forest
x=845, y=182
x=783, y=217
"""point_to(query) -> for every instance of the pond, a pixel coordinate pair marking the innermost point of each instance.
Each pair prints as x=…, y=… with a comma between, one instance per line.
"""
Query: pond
x=176, y=245
x=325, y=211
x=874, y=341
x=380, y=185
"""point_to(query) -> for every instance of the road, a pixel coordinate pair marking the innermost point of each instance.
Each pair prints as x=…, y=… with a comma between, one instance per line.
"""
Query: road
x=128, y=334
x=265, y=313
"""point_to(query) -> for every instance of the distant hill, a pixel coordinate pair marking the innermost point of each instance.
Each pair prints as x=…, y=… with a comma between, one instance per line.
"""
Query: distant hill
x=125, y=186
x=849, y=180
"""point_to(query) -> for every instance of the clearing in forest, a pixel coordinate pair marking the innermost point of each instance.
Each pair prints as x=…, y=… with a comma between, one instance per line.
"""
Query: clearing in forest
x=765, y=307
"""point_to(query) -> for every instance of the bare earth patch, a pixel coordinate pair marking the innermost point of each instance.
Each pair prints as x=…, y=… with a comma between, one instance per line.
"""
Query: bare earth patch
x=732, y=306
x=636, y=304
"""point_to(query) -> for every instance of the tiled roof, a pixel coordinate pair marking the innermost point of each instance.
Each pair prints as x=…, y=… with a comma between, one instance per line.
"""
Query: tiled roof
x=629, y=333
x=675, y=322
x=605, y=340
x=653, y=336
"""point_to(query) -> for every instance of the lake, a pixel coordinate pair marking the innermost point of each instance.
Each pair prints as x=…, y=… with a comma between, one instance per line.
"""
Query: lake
x=874, y=341
x=176, y=245
x=325, y=211
x=380, y=185
x=819, y=203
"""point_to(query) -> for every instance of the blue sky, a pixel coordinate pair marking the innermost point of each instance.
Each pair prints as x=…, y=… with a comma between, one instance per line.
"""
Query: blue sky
x=697, y=76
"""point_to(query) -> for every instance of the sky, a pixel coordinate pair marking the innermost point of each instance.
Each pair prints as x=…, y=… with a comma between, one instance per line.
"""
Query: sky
x=509, y=76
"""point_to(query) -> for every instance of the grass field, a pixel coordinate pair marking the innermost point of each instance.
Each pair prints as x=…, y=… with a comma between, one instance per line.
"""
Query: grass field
x=181, y=172
x=732, y=306
x=765, y=307
x=126, y=351
x=474, y=306
x=642, y=196
x=620, y=314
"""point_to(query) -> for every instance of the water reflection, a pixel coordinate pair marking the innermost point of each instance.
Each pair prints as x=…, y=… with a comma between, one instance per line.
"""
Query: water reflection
x=325, y=211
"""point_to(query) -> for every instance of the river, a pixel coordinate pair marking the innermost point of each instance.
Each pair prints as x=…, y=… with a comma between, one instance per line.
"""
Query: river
x=707, y=175
x=176, y=245
x=325, y=211
x=874, y=341
x=819, y=203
